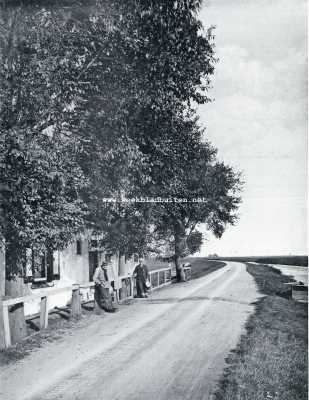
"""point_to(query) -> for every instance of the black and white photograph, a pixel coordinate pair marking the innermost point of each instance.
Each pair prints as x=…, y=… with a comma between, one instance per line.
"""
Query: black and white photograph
x=153, y=200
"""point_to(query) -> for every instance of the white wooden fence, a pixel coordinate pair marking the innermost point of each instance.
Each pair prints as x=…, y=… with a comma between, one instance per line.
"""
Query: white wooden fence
x=126, y=289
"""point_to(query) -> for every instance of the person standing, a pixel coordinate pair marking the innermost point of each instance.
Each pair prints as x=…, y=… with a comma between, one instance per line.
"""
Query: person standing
x=141, y=274
x=103, y=288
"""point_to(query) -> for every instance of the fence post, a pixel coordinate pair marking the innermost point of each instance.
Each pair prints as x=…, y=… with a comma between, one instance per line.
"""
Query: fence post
x=43, y=313
x=6, y=326
x=76, y=303
x=158, y=278
x=132, y=286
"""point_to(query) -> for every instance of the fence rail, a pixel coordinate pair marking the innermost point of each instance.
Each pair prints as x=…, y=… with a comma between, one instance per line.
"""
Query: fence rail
x=124, y=288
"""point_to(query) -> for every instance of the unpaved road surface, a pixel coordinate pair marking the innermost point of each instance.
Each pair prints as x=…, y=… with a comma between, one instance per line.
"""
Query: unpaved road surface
x=171, y=346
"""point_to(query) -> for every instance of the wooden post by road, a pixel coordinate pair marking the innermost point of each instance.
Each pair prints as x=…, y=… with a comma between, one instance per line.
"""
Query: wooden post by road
x=6, y=326
x=43, y=313
x=76, y=303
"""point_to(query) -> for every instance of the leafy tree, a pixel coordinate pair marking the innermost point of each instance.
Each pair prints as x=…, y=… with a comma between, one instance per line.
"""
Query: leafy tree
x=173, y=60
x=166, y=64
x=38, y=166
x=194, y=242
x=204, y=190
x=64, y=143
x=96, y=102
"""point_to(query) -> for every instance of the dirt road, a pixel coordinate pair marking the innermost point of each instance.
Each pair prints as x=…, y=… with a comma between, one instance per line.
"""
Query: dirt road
x=168, y=347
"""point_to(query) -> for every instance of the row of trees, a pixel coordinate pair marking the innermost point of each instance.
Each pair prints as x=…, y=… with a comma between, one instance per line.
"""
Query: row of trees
x=97, y=100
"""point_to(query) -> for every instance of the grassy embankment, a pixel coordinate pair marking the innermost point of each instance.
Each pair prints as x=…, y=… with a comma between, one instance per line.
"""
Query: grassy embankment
x=270, y=361
x=202, y=266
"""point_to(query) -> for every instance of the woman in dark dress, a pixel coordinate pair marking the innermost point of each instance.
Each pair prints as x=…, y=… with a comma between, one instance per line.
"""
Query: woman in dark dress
x=141, y=274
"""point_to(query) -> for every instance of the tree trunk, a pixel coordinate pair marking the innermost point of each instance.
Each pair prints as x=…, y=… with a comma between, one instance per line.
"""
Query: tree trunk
x=15, y=287
x=2, y=292
x=180, y=274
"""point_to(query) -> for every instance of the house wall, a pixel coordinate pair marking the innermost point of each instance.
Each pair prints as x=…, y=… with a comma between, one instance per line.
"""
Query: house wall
x=74, y=268
x=130, y=265
x=126, y=266
x=122, y=269
x=113, y=267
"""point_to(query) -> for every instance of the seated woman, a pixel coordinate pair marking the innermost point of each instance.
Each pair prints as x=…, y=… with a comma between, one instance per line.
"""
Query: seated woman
x=103, y=288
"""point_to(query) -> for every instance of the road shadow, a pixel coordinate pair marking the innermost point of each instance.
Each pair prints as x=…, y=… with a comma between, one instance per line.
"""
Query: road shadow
x=171, y=300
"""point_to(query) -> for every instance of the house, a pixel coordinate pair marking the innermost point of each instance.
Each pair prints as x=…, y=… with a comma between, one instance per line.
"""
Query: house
x=73, y=265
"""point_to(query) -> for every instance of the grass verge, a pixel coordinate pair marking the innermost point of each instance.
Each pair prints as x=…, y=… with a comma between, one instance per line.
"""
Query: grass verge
x=202, y=266
x=270, y=361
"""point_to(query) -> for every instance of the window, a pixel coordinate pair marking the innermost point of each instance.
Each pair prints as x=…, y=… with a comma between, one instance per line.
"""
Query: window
x=78, y=247
x=42, y=266
x=39, y=266
x=93, y=263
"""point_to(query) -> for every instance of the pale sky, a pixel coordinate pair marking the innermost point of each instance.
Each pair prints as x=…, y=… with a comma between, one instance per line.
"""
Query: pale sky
x=258, y=121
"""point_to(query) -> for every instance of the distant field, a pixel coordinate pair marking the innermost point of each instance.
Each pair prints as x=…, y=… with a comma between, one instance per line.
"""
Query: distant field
x=284, y=260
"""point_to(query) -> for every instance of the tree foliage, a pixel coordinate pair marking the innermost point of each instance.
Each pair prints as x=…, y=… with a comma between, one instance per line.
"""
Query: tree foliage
x=97, y=101
x=194, y=242
x=40, y=176
x=205, y=190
